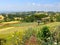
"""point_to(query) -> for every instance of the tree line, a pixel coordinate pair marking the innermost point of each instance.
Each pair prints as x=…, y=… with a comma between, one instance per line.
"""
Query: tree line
x=31, y=16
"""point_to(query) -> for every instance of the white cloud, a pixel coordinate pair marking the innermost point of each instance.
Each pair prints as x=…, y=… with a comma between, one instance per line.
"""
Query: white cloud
x=33, y=4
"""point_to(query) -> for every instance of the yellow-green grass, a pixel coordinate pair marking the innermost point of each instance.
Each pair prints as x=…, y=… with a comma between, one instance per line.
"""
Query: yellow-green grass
x=19, y=24
x=25, y=26
x=20, y=28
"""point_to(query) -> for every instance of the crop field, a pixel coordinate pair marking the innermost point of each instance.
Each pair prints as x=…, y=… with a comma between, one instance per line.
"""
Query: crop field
x=13, y=30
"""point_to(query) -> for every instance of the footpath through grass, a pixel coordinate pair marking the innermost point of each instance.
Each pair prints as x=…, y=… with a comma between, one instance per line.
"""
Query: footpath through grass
x=8, y=32
x=21, y=27
x=18, y=27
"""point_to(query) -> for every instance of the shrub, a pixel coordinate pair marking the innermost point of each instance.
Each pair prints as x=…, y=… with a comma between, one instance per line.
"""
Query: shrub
x=58, y=18
x=45, y=33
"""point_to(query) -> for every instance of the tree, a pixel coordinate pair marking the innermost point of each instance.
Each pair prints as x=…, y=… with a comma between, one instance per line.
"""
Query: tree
x=11, y=17
x=39, y=16
x=58, y=18
x=34, y=17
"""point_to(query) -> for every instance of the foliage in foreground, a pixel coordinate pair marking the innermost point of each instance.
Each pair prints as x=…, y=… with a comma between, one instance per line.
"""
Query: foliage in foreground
x=40, y=36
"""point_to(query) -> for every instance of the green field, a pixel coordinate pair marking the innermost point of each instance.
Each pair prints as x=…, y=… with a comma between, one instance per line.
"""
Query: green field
x=21, y=27
x=7, y=31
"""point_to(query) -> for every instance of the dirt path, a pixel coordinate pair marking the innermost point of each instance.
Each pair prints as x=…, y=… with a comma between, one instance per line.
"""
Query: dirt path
x=12, y=29
x=5, y=29
x=32, y=41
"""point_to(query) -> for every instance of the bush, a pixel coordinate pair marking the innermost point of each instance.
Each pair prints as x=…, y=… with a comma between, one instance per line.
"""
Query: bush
x=58, y=18
x=45, y=33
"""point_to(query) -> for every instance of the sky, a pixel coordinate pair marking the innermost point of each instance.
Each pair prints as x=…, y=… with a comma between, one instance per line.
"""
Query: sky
x=29, y=5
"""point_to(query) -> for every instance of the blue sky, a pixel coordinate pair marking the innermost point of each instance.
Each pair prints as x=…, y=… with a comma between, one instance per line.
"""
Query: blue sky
x=29, y=5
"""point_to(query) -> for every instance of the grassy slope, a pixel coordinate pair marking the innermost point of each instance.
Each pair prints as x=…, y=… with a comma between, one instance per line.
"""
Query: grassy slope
x=8, y=31
x=22, y=27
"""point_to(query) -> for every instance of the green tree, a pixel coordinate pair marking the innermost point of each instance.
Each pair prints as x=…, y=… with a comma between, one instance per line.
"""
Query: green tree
x=58, y=18
x=39, y=16
x=11, y=17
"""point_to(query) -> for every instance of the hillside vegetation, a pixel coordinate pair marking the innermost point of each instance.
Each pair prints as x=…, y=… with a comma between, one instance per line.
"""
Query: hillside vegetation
x=30, y=28
x=18, y=30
